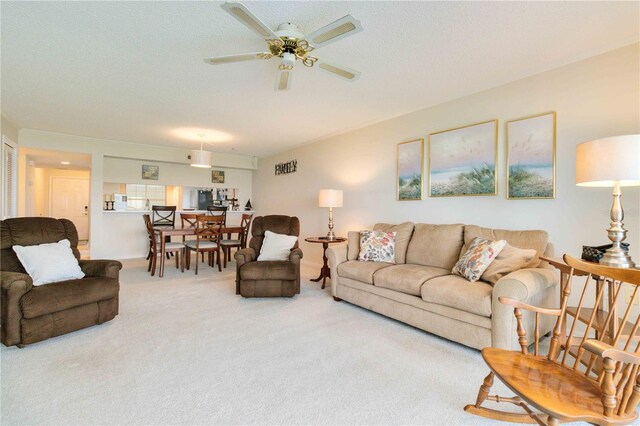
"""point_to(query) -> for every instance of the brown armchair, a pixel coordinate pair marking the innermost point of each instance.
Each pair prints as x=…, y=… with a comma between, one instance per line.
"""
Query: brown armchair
x=31, y=314
x=269, y=278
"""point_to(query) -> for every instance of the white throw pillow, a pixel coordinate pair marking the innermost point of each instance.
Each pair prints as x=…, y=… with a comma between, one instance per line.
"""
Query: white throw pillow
x=276, y=246
x=49, y=263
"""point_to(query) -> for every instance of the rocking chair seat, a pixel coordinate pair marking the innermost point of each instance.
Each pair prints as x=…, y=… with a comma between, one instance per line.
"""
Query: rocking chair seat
x=565, y=394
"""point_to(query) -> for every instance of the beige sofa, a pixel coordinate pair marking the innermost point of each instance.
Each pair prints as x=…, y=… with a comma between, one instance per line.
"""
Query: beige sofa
x=420, y=289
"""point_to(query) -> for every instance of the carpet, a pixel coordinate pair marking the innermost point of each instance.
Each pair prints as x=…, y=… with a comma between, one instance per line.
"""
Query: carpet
x=186, y=350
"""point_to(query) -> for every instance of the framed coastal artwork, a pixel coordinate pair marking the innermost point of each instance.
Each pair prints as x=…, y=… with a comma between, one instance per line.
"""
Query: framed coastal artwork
x=531, y=152
x=150, y=172
x=409, y=169
x=217, y=176
x=462, y=161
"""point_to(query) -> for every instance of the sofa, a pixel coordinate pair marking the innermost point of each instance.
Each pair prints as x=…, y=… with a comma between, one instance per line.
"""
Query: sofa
x=420, y=289
x=271, y=278
x=30, y=314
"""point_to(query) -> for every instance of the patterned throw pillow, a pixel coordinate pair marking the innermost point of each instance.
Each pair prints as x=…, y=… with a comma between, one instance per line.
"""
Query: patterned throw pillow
x=478, y=257
x=377, y=246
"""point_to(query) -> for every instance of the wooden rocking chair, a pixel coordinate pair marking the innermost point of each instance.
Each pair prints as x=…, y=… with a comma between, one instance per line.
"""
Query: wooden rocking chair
x=582, y=378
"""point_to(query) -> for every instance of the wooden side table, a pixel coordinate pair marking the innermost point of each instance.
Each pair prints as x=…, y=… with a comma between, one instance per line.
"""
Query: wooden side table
x=585, y=314
x=325, y=272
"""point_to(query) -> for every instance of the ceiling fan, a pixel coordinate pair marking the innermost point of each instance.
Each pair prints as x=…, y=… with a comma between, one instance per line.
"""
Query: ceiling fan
x=289, y=45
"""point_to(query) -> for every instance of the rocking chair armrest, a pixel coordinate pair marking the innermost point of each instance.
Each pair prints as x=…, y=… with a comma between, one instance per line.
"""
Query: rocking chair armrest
x=605, y=350
x=521, y=305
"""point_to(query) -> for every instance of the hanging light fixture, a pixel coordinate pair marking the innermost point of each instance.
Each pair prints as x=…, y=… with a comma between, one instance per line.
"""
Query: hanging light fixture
x=200, y=158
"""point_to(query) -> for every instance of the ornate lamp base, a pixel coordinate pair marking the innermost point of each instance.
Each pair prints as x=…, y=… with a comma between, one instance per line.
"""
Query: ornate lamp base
x=616, y=256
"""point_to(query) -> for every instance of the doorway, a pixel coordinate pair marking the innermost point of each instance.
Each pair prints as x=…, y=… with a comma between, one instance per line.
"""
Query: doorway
x=58, y=185
x=69, y=199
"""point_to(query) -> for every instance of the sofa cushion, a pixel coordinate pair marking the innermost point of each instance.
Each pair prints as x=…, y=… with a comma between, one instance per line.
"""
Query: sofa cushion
x=456, y=292
x=377, y=246
x=532, y=239
x=477, y=259
x=509, y=260
x=56, y=297
x=435, y=245
x=268, y=270
x=353, y=245
x=403, y=236
x=407, y=278
x=360, y=271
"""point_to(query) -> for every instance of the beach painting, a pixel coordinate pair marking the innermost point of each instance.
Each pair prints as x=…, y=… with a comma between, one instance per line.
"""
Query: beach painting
x=462, y=161
x=531, y=157
x=410, y=157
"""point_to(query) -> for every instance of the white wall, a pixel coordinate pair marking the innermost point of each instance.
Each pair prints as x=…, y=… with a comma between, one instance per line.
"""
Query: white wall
x=8, y=129
x=101, y=148
x=593, y=98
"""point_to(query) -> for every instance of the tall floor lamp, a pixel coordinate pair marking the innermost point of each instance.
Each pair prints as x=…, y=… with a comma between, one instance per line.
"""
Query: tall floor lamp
x=330, y=198
x=611, y=162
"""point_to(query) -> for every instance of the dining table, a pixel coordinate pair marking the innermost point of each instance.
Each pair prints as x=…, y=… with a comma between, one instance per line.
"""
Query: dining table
x=168, y=231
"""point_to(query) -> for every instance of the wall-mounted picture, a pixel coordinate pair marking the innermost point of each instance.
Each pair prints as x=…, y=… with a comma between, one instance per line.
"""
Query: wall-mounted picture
x=410, y=157
x=531, y=152
x=217, y=176
x=462, y=161
x=150, y=172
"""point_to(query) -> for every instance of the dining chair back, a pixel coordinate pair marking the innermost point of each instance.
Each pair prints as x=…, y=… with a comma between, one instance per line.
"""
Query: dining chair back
x=245, y=223
x=163, y=215
x=218, y=211
x=188, y=220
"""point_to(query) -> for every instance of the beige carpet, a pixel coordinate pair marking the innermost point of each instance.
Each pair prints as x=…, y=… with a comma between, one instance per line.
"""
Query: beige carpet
x=187, y=350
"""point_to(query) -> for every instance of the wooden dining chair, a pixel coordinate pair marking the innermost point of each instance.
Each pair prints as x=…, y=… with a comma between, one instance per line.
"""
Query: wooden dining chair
x=189, y=221
x=241, y=242
x=218, y=211
x=155, y=249
x=164, y=216
x=208, y=235
x=590, y=374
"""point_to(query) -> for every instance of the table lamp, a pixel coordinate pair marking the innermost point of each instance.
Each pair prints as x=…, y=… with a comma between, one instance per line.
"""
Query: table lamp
x=611, y=162
x=330, y=198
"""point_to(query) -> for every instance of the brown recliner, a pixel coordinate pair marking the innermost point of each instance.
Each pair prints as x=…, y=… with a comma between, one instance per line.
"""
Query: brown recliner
x=269, y=278
x=29, y=313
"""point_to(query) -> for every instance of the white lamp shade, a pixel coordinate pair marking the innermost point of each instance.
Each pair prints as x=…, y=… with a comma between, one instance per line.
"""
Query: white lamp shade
x=200, y=158
x=330, y=198
x=605, y=161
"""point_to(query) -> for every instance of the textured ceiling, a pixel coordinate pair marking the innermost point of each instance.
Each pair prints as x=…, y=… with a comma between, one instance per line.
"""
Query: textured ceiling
x=133, y=71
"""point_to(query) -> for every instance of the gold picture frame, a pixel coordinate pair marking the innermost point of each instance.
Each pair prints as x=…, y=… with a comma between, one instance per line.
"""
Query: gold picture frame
x=455, y=165
x=535, y=168
x=408, y=170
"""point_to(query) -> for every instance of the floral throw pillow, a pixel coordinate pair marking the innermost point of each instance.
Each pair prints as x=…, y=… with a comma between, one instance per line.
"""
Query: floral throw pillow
x=377, y=246
x=478, y=257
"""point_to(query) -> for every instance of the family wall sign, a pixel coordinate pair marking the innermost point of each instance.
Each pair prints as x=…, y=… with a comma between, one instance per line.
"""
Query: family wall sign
x=286, y=168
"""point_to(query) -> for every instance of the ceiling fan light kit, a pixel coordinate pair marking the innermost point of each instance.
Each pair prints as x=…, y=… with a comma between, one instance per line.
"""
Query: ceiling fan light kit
x=290, y=45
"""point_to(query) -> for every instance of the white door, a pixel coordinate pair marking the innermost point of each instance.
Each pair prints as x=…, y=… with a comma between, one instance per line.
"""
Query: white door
x=69, y=199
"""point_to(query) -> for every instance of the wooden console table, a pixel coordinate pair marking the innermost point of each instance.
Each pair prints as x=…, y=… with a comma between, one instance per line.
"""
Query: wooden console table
x=325, y=272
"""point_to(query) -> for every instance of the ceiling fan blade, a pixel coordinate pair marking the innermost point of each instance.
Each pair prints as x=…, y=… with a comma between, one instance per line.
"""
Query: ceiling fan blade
x=343, y=27
x=217, y=60
x=248, y=19
x=338, y=70
x=283, y=80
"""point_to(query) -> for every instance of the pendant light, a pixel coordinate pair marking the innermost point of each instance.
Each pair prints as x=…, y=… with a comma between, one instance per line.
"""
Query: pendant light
x=200, y=158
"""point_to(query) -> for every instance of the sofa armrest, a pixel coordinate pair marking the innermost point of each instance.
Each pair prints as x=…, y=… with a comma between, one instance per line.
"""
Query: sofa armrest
x=101, y=268
x=295, y=256
x=13, y=286
x=243, y=256
x=534, y=286
x=336, y=256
